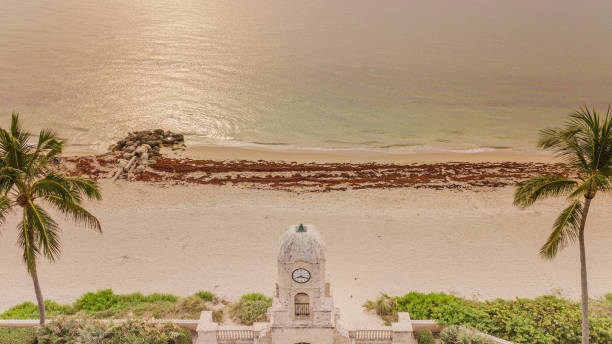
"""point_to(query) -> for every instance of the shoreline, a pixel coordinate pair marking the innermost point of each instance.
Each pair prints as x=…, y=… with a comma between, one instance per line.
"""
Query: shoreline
x=364, y=155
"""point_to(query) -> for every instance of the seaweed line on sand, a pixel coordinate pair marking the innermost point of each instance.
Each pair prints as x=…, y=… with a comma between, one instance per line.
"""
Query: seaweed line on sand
x=319, y=177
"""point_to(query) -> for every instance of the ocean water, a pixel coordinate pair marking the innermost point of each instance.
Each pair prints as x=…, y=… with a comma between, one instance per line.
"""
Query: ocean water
x=313, y=74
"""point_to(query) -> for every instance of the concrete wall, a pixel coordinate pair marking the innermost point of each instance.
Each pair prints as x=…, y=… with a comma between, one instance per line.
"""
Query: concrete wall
x=302, y=335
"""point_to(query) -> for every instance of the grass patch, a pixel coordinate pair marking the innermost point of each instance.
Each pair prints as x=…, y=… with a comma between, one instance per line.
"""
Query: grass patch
x=205, y=295
x=17, y=335
x=602, y=306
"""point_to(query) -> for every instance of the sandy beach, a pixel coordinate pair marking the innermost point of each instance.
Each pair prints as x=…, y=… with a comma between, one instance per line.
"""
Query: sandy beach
x=185, y=237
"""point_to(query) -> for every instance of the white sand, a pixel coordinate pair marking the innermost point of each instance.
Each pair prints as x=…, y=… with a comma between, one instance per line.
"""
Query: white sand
x=182, y=239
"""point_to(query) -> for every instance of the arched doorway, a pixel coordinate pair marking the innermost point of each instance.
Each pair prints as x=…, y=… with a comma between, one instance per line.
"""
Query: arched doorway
x=302, y=305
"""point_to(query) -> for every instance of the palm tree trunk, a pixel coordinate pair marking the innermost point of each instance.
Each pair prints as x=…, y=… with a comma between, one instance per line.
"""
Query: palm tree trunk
x=583, y=275
x=39, y=296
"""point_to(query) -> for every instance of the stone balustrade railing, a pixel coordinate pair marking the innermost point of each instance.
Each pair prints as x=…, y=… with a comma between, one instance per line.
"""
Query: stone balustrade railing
x=235, y=334
x=371, y=335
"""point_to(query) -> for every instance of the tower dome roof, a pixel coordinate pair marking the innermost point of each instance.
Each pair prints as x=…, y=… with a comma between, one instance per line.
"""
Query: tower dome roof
x=302, y=243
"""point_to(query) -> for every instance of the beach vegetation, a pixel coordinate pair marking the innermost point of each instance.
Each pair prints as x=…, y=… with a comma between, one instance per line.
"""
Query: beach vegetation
x=28, y=310
x=585, y=144
x=424, y=336
x=104, y=300
x=543, y=320
x=17, y=335
x=205, y=295
x=462, y=335
x=450, y=308
x=29, y=185
x=385, y=307
x=105, y=304
x=91, y=331
x=602, y=305
x=251, y=308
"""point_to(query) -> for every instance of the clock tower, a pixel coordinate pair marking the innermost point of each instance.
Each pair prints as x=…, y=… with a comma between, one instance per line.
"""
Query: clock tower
x=302, y=303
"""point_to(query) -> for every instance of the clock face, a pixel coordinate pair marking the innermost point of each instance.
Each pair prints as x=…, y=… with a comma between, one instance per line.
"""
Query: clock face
x=301, y=275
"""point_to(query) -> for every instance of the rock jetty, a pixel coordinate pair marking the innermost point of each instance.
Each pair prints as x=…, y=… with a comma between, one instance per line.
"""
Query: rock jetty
x=140, y=148
x=156, y=139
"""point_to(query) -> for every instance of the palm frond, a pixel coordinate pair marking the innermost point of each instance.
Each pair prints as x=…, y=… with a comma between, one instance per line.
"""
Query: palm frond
x=45, y=229
x=70, y=188
x=590, y=185
x=75, y=211
x=25, y=240
x=529, y=191
x=603, y=161
x=12, y=151
x=566, y=144
x=8, y=177
x=48, y=147
x=5, y=206
x=21, y=136
x=56, y=184
x=565, y=230
x=85, y=187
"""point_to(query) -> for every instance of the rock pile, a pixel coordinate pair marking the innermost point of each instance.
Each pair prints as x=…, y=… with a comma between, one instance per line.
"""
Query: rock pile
x=140, y=148
x=156, y=139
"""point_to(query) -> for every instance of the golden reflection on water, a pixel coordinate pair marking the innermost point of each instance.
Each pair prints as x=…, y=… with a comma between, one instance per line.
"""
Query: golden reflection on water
x=315, y=73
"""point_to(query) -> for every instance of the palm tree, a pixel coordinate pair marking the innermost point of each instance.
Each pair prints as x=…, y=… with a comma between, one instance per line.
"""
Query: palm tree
x=27, y=182
x=585, y=143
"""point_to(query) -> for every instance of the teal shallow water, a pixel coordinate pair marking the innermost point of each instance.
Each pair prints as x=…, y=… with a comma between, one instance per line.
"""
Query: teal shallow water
x=398, y=75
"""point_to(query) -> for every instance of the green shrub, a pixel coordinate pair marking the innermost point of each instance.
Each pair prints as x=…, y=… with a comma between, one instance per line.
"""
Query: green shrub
x=543, y=320
x=447, y=309
x=28, y=310
x=98, y=301
x=424, y=336
x=462, y=335
x=106, y=304
x=95, y=332
x=205, y=295
x=250, y=308
x=156, y=297
x=255, y=297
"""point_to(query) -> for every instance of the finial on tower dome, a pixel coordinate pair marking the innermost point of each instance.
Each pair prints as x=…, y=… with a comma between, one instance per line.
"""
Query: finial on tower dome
x=302, y=243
